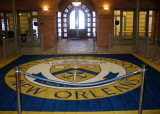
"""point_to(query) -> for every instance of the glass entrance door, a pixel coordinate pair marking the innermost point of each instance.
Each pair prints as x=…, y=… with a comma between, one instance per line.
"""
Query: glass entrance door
x=77, y=23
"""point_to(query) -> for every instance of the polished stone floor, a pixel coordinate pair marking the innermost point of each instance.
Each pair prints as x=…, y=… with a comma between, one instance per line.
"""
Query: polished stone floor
x=86, y=46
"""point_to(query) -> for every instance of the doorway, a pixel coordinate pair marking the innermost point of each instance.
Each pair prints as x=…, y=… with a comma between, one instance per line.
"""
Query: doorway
x=76, y=22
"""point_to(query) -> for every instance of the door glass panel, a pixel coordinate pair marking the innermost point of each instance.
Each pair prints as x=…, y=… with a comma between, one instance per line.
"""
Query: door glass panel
x=128, y=23
x=10, y=26
x=35, y=13
x=66, y=10
x=65, y=29
x=94, y=20
x=88, y=34
x=65, y=20
x=35, y=27
x=89, y=24
x=83, y=6
x=3, y=28
x=70, y=6
x=64, y=25
x=59, y=20
x=59, y=30
x=89, y=29
x=150, y=23
x=94, y=24
x=64, y=15
x=142, y=23
x=81, y=20
x=65, y=34
x=87, y=10
x=9, y=31
x=94, y=30
x=24, y=24
x=117, y=22
x=59, y=24
x=89, y=19
x=72, y=20
x=89, y=15
x=2, y=24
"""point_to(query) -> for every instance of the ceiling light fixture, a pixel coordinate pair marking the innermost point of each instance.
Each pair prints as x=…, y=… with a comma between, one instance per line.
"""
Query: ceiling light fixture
x=45, y=9
x=76, y=4
x=106, y=8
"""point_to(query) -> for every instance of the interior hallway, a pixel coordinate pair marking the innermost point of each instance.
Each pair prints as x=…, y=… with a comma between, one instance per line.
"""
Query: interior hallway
x=83, y=46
